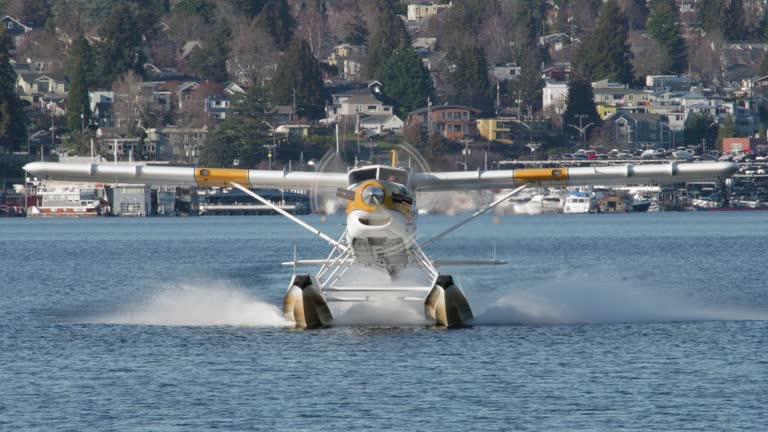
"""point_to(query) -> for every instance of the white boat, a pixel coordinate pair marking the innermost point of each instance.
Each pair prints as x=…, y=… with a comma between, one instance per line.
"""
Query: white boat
x=579, y=202
x=549, y=202
x=70, y=201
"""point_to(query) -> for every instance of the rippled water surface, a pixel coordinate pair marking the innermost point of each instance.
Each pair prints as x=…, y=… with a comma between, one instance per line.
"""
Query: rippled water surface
x=600, y=322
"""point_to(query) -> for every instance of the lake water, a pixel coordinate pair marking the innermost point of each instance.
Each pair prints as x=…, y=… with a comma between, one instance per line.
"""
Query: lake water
x=600, y=322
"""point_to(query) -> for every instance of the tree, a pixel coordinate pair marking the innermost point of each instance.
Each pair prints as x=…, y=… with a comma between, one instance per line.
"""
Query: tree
x=210, y=62
x=276, y=18
x=389, y=36
x=122, y=34
x=580, y=110
x=78, y=104
x=356, y=28
x=313, y=26
x=664, y=27
x=201, y=8
x=735, y=24
x=528, y=85
x=406, y=80
x=636, y=12
x=605, y=54
x=239, y=139
x=727, y=130
x=700, y=128
x=711, y=15
x=13, y=129
x=466, y=78
x=298, y=74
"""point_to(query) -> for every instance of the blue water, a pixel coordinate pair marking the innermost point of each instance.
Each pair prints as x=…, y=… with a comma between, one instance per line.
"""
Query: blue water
x=600, y=322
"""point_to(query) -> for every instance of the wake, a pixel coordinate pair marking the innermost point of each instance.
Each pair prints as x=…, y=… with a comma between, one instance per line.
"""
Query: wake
x=213, y=304
x=604, y=302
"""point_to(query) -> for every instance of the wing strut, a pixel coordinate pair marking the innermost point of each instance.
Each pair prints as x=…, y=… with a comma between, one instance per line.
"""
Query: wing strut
x=269, y=204
x=474, y=215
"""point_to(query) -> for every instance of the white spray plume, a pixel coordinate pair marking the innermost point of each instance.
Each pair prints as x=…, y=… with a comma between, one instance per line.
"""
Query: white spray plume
x=211, y=304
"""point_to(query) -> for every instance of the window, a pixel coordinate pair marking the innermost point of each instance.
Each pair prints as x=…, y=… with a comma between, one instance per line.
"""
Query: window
x=372, y=108
x=466, y=115
x=443, y=115
x=457, y=128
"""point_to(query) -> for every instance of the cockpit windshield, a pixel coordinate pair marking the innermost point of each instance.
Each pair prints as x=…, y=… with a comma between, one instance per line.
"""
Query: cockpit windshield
x=361, y=175
x=392, y=175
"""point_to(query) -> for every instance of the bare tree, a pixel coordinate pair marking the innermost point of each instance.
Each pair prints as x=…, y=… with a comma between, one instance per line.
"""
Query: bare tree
x=647, y=54
x=313, y=27
x=705, y=57
x=184, y=27
x=68, y=17
x=134, y=104
x=252, y=54
x=496, y=37
x=43, y=48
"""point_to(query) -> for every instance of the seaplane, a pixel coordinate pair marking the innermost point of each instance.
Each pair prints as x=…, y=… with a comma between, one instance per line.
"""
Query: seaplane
x=381, y=215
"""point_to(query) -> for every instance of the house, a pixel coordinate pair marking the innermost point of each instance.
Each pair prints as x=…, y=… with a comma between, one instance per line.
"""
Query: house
x=348, y=59
x=14, y=27
x=419, y=12
x=556, y=41
x=451, y=121
x=554, y=96
x=181, y=144
x=640, y=130
x=376, y=124
x=217, y=106
x=668, y=82
x=358, y=102
x=424, y=44
x=505, y=72
x=283, y=114
x=189, y=48
x=739, y=145
x=33, y=86
x=499, y=129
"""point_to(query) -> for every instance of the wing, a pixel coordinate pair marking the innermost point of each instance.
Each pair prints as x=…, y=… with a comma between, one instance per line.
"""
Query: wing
x=185, y=176
x=601, y=175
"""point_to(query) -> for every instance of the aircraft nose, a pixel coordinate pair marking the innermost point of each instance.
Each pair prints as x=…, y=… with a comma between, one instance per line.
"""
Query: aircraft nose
x=36, y=168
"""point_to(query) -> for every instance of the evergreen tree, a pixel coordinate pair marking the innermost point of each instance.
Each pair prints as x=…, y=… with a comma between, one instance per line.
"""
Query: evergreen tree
x=205, y=9
x=711, y=15
x=580, y=109
x=466, y=77
x=763, y=69
x=276, y=18
x=389, y=36
x=699, y=128
x=13, y=129
x=77, y=100
x=357, y=29
x=119, y=50
x=210, y=62
x=299, y=71
x=636, y=12
x=81, y=52
x=727, y=130
x=664, y=27
x=735, y=24
x=406, y=80
x=605, y=54
x=239, y=139
x=251, y=8
x=528, y=85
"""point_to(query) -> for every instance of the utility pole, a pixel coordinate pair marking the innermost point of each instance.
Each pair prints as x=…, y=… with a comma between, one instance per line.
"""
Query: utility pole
x=269, y=148
x=429, y=117
x=294, y=101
